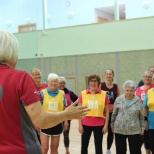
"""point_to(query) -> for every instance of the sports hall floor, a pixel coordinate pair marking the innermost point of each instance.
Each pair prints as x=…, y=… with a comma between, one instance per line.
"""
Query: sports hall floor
x=75, y=142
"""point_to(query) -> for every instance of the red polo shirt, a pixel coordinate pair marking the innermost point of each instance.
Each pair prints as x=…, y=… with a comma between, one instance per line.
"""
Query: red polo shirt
x=17, y=134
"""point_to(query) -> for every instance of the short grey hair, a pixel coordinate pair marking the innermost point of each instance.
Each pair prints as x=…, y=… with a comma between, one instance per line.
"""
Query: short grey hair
x=53, y=77
x=8, y=48
x=61, y=78
x=129, y=83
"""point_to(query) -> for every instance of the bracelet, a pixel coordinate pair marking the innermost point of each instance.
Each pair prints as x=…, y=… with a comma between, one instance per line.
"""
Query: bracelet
x=145, y=118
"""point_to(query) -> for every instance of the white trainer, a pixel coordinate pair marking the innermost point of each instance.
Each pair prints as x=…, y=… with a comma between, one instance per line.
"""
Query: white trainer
x=108, y=152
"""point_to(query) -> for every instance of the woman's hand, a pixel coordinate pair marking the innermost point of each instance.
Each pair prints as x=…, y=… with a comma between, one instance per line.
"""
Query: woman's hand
x=80, y=129
x=76, y=112
x=146, y=124
x=142, y=131
x=105, y=129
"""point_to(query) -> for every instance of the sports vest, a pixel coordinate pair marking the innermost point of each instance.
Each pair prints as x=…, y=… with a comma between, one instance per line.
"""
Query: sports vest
x=151, y=100
x=112, y=92
x=95, y=102
x=53, y=104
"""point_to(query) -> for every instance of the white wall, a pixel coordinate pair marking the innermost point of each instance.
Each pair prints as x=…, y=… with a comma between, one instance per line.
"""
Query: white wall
x=15, y=12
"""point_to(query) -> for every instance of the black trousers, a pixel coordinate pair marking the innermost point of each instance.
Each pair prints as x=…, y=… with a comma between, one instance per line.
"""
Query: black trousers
x=110, y=135
x=66, y=135
x=134, y=142
x=98, y=138
x=151, y=139
x=145, y=140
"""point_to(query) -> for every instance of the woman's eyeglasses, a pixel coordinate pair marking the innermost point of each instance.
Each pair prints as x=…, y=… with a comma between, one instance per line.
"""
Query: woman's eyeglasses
x=147, y=77
x=93, y=81
x=62, y=83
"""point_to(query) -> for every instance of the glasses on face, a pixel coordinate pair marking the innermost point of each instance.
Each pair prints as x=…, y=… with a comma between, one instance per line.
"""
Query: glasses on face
x=93, y=81
x=62, y=83
x=147, y=77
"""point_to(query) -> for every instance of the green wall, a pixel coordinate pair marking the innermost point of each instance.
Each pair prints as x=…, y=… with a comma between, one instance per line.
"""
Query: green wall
x=127, y=65
x=125, y=46
x=126, y=35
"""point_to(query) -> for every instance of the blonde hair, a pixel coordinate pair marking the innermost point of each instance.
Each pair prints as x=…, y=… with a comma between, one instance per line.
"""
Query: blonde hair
x=8, y=48
x=35, y=70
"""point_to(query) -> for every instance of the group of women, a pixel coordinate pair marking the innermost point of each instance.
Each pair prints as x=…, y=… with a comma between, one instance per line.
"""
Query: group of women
x=130, y=118
x=121, y=116
x=55, y=97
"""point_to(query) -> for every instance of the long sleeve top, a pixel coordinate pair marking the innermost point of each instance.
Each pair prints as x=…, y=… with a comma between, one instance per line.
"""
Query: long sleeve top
x=127, y=119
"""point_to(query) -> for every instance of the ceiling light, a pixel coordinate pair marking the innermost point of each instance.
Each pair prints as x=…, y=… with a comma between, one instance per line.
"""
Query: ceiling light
x=146, y=4
x=27, y=20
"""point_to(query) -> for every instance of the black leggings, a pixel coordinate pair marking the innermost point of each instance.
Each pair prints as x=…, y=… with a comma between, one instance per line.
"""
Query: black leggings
x=66, y=135
x=151, y=139
x=110, y=135
x=133, y=141
x=98, y=138
x=145, y=140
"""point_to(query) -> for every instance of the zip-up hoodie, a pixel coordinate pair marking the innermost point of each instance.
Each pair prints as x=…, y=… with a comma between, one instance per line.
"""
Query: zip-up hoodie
x=127, y=120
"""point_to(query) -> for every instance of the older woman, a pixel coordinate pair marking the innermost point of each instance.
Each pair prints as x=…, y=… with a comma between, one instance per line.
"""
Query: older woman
x=141, y=82
x=36, y=76
x=97, y=101
x=141, y=92
x=70, y=97
x=20, y=113
x=127, y=120
x=53, y=101
x=148, y=84
x=149, y=116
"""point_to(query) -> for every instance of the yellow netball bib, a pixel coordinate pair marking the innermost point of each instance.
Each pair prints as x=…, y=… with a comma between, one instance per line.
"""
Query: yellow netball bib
x=95, y=102
x=151, y=100
x=53, y=104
